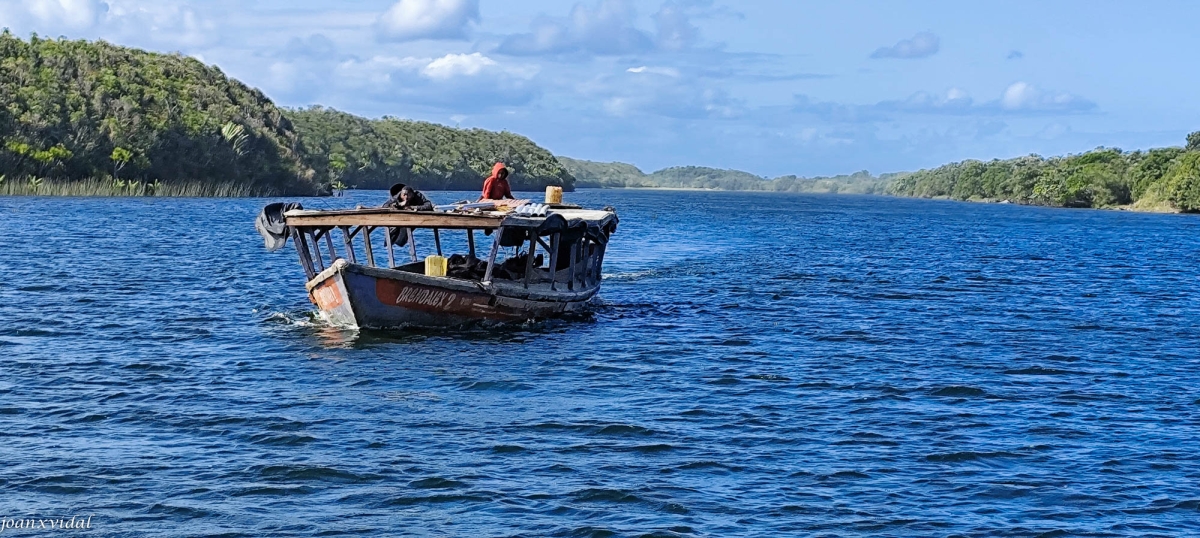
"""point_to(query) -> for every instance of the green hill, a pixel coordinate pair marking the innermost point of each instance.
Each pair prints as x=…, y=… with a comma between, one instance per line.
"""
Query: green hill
x=79, y=117
x=1157, y=179
x=594, y=175
x=1162, y=179
x=620, y=175
x=76, y=110
x=374, y=154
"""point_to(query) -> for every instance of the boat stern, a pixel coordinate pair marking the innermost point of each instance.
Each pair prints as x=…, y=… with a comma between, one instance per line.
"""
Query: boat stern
x=328, y=292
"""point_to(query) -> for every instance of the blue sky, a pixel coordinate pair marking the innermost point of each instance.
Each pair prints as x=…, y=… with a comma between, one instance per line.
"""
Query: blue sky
x=770, y=87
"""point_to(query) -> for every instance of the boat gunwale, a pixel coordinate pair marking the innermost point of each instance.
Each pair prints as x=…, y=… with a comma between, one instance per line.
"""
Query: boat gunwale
x=514, y=290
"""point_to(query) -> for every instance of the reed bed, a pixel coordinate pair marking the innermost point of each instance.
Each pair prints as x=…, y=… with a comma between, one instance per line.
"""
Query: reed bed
x=103, y=187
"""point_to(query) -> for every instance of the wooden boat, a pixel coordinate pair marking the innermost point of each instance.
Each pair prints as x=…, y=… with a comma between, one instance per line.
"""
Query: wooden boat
x=360, y=287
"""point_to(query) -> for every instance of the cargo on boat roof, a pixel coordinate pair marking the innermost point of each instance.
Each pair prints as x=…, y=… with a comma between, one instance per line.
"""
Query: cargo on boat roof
x=357, y=281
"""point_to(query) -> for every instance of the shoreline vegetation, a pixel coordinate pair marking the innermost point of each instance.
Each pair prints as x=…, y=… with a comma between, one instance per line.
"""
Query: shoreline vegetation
x=1161, y=180
x=107, y=188
x=85, y=118
x=1155, y=180
x=78, y=114
x=590, y=174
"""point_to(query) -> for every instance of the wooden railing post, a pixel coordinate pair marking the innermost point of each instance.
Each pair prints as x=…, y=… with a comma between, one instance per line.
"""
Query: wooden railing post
x=317, y=250
x=349, y=240
x=491, y=264
x=571, y=266
x=554, y=239
x=329, y=241
x=301, y=245
x=387, y=238
x=529, y=257
x=367, y=245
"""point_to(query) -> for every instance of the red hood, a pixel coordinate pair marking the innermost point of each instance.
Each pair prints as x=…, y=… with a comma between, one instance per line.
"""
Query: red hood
x=496, y=169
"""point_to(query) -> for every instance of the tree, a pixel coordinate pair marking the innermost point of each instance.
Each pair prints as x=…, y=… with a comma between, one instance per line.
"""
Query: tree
x=120, y=157
x=378, y=153
x=238, y=140
x=1193, y=141
x=49, y=158
x=1183, y=182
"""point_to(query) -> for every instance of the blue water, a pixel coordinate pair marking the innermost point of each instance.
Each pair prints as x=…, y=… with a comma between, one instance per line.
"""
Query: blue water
x=758, y=365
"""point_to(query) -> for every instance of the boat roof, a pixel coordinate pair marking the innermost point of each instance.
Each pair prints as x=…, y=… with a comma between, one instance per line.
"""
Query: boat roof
x=436, y=219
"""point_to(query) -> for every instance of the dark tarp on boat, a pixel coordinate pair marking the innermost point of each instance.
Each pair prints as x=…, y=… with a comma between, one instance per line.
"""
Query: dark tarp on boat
x=516, y=231
x=272, y=226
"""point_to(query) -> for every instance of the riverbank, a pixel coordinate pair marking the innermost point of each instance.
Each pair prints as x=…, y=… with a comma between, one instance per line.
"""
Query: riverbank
x=1141, y=206
x=1145, y=205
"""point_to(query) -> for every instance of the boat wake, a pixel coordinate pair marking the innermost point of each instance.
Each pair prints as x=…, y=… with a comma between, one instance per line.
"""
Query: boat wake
x=306, y=318
x=632, y=276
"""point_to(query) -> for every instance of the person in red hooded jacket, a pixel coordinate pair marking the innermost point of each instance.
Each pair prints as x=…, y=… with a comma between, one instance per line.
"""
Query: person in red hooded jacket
x=495, y=187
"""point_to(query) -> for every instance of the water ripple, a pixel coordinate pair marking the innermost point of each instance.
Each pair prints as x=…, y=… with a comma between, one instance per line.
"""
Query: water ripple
x=815, y=366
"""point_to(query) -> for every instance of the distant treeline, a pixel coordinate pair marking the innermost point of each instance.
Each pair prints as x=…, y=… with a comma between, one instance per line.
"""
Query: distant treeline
x=620, y=175
x=1163, y=179
x=77, y=115
x=374, y=154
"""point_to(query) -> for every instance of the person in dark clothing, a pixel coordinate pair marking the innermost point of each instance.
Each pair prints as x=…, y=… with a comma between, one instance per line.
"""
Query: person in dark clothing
x=495, y=187
x=407, y=198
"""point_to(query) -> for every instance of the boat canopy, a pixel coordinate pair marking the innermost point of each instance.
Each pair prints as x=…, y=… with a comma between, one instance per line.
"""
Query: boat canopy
x=573, y=238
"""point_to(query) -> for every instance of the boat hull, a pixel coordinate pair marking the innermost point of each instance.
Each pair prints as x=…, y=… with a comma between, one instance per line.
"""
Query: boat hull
x=355, y=296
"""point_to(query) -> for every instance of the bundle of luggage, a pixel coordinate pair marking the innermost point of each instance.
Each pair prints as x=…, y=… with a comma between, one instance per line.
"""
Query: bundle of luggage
x=472, y=268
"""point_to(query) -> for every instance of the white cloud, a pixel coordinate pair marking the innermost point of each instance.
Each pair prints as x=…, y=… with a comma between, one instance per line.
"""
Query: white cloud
x=166, y=22
x=1018, y=99
x=606, y=29
x=72, y=14
x=953, y=100
x=1022, y=96
x=428, y=19
x=139, y=23
x=664, y=96
x=1019, y=95
x=381, y=71
x=376, y=72
x=452, y=84
x=922, y=45
x=675, y=29
x=455, y=65
x=664, y=71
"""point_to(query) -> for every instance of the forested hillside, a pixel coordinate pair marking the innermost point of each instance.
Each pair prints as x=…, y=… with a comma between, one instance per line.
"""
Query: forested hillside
x=374, y=154
x=76, y=110
x=620, y=175
x=1165, y=178
x=79, y=117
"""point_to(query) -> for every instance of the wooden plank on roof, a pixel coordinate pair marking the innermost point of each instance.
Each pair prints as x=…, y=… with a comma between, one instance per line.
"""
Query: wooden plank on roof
x=386, y=217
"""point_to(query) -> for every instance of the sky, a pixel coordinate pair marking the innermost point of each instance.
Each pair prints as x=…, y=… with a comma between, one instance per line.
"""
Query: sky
x=772, y=87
